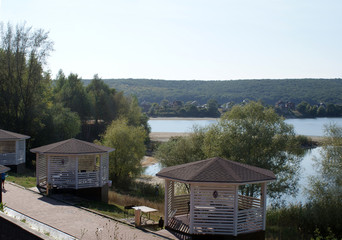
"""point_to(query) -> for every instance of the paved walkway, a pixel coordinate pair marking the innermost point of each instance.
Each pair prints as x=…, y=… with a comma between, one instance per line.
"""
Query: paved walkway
x=72, y=220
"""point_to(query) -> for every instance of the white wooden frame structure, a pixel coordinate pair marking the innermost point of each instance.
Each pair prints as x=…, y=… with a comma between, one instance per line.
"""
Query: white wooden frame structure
x=12, y=148
x=214, y=208
x=66, y=171
x=74, y=169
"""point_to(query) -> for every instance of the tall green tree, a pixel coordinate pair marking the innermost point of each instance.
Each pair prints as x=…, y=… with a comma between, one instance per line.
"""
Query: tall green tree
x=128, y=142
x=256, y=135
x=23, y=82
x=73, y=95
x=327, y=184
x=103, y=104
x=251, y=134
x=325, y=188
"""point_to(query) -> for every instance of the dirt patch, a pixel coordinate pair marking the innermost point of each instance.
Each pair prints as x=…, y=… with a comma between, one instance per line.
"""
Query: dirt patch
x=165, y=136
x=147, y=161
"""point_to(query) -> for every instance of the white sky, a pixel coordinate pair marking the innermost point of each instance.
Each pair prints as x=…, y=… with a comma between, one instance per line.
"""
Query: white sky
x=188, y=39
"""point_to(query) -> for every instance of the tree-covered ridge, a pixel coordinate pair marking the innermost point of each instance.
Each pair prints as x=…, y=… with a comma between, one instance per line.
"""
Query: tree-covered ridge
x=268, y=91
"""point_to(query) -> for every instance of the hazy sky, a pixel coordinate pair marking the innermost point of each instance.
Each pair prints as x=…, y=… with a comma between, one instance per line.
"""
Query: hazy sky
x=188, y=39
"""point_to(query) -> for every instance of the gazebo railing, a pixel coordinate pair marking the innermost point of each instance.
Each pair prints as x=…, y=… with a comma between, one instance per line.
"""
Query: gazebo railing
x=246, y=202
x=68, y=180
x=8, y=159
x=181, y=204
x=88, y=179
x=250, y=220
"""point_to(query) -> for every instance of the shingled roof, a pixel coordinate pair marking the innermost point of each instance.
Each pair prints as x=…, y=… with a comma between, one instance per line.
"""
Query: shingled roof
x=72, y=146
x=7, y=135
x=216, y=170
x=4, y=169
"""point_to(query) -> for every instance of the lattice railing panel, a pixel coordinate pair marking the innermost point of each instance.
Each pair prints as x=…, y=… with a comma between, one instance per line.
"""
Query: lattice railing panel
x=213, y=209
x=42, y=170
x=182, y=204
x=246, y=202
x=62, y=170
x=250, y=220
x=104, y=168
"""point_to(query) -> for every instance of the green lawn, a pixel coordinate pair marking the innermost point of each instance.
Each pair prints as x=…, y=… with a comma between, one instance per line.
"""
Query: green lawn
x=26, y=180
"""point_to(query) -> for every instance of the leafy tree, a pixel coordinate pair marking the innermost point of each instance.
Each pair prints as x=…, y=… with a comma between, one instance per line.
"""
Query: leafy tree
x=213, y=108
x=325, y=189
x=103, y=104
x=302, y=107
x=321, y=111
x=179, y=150
x=23, y=83
x=128, y=142
x=66, y=124
x=328, y=183
x=256, y=135
x=71, y=92
x=332, y=110
x=250, y=134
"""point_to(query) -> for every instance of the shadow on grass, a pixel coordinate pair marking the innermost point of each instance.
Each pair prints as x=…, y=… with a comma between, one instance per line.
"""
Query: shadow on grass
x=108, y=209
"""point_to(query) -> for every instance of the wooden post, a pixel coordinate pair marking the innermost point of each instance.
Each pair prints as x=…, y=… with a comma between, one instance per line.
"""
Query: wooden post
x=137, y=215
x=100, y=169
x=166, y=210
x=16, y=153
x=263, y=202
x=236, y=209
x=48, y=177
x=37, y=168
x=76, y=173
x=192, y=190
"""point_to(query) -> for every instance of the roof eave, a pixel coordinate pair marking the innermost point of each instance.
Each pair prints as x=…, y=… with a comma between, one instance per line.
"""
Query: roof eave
x=218, y=183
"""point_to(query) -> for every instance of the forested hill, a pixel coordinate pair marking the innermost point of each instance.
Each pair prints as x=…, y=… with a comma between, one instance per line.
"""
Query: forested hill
x=269, y=90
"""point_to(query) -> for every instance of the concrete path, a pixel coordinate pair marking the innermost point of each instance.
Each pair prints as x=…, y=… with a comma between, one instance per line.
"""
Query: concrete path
x=72, y=220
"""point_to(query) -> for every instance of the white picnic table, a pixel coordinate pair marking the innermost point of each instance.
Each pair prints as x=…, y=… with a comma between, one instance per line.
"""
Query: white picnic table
x=145, y=209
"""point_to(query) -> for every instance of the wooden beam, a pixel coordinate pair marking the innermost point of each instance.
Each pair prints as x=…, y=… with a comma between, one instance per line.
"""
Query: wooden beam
x=37, y=168
x=191, y=209
x=263, y=204
x=76, y=172
x=166, y=211
x=236, y=209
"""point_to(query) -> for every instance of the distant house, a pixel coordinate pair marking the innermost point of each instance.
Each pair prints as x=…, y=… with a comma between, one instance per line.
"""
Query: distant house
x=285, y=105
x=280, y=104
x=290, y=105
x=12, y=149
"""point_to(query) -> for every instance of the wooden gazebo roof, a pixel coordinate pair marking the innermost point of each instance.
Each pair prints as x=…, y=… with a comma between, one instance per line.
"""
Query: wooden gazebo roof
x=4, y=169
x=7, y=135
x=72, y=147
x=217, y=170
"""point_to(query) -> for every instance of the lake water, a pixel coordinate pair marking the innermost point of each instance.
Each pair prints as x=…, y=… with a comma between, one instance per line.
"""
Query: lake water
x=308, y=127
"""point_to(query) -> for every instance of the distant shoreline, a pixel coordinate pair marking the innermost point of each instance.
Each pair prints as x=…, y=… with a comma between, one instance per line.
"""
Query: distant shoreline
x=165, y=136
x=182, y=118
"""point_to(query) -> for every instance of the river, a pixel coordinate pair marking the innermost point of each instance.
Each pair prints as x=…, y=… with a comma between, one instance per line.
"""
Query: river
x=308, y=127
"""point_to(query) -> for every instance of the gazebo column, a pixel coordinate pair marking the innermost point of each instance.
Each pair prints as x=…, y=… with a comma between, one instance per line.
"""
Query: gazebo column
x=37, y=168
x=100, y=169
x=76, y=173
x=263, y=204
x=166, y=213
x=192, y=209
x=236, y=209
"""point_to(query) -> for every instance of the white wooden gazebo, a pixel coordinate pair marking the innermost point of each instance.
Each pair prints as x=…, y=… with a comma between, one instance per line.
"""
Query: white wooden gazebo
x=72, y=164
x=12, y=148
x=214, y=205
